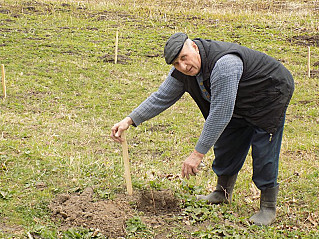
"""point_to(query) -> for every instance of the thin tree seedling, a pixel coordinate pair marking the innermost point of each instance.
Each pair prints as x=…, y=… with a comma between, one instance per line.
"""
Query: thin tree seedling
x=116, y=45
x=3, y=82
x=308, y=66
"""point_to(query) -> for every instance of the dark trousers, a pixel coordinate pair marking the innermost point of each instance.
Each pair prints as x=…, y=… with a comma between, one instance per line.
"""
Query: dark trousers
x=233, y=145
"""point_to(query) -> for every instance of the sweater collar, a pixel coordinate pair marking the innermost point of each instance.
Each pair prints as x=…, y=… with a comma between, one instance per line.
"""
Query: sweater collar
x=203, y=55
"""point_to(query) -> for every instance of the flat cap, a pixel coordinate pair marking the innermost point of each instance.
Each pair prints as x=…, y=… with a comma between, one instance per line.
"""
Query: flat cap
x=174, y=46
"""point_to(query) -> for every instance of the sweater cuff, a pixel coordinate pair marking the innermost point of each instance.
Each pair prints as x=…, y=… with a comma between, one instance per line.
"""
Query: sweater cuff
x=203, y=149
x=136, y=119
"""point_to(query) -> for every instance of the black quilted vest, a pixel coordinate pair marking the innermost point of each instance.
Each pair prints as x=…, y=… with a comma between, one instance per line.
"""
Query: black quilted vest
x=264, y=90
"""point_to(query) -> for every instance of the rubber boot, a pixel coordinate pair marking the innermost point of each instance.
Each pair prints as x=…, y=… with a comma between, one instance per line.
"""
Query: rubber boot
x=267, y=213
x=223, y=192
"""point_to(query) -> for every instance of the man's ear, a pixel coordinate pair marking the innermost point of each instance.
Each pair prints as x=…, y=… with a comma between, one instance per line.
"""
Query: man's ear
x=195, y=46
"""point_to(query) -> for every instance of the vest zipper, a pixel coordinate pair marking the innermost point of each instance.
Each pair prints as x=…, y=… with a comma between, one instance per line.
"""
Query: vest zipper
x=270, y=137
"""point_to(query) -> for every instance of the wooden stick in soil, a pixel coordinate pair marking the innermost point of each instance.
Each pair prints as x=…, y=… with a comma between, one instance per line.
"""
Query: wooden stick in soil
x=116, y=45
x=3, y=82
x=308, y=68
x=126, y=165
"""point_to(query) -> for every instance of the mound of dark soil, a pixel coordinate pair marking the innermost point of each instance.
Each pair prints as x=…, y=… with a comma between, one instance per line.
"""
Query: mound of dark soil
x=109, y=216
x=158, y=202
x=121, y=59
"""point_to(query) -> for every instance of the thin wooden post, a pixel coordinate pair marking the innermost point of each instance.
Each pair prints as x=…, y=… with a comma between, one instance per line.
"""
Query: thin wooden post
x=308, y=68
x=116, y=45
x=3, y=82
x=126, y=165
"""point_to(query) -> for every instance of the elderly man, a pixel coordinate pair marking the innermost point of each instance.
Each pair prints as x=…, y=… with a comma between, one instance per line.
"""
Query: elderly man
x=243, y=95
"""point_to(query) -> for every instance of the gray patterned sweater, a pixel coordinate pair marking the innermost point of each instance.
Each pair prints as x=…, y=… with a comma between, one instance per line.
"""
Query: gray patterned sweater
x=224, y=81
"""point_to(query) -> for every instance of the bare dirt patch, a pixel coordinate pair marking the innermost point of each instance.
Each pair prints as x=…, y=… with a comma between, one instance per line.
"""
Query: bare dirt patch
x=121, y=59
x=158, y=202
x=109, y=216
x=79, y=210
x=306, y=40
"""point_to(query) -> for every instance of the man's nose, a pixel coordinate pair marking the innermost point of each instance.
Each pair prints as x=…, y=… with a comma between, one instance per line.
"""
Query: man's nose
x=184, y=66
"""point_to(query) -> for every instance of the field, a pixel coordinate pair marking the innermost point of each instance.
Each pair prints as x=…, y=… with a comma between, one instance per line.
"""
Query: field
x=61, y=176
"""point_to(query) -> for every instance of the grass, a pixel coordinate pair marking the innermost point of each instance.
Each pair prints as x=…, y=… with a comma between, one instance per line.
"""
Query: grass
x=64, y=95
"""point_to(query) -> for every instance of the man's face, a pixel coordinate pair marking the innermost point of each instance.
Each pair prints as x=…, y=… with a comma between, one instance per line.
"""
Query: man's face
x=188, y=61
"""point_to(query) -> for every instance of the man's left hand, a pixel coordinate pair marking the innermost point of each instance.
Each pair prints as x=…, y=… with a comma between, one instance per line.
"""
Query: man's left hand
x=190, y=165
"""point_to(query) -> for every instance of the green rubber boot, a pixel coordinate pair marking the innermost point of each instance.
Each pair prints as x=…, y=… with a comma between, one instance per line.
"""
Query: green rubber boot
x=223, y=192
x=267, y=213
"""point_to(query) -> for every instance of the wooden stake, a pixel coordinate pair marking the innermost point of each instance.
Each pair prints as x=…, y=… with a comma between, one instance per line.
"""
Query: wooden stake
x=126, y=165
x=116, y=45
x=3, y=82
x=308, y=68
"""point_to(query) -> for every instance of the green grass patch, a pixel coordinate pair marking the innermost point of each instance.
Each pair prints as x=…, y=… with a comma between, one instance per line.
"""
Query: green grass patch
x=64, y=93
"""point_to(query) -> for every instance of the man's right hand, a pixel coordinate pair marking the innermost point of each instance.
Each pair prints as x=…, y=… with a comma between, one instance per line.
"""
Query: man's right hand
x=118, y=128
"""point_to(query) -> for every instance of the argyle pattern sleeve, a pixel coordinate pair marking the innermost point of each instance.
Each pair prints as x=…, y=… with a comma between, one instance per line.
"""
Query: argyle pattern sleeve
x=170, y=91
x=224, y=80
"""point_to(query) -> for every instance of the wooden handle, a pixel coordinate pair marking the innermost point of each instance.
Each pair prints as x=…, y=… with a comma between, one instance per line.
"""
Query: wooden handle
x=127, y=165
x=3, y=82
